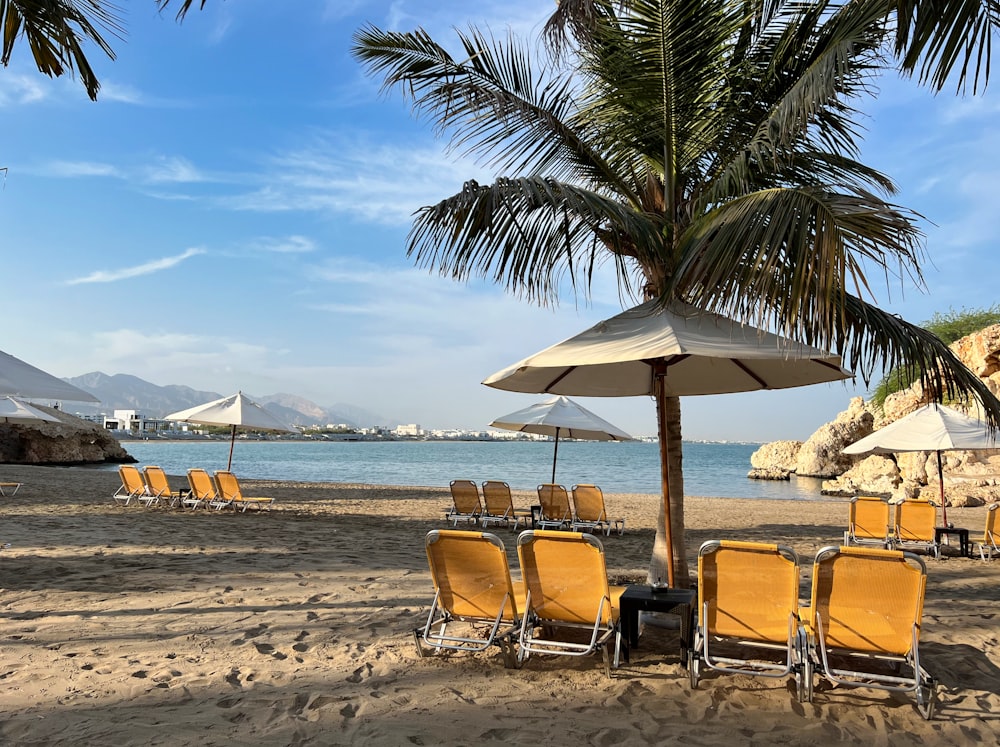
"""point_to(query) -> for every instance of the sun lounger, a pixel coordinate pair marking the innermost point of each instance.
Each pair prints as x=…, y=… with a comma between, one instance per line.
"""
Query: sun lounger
x=132, y=487
x=590, y=513
x=465, y=503
x=9, y=488
x=203, y=491
x=232, y=496
x=476, y=605
x=864, y=619
x=499, y=507
x=556, y=511
x=158, y=488
x=914, y=527
x=988, y=544
x=748, y=604
x=566, y=580
x=871, y=522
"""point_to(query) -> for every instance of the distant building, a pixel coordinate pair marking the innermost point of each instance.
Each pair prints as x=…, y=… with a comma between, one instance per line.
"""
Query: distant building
x=411, y=430
x=134, y=422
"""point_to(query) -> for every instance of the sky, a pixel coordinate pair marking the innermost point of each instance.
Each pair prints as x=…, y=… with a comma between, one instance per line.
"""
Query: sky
x=232, y=213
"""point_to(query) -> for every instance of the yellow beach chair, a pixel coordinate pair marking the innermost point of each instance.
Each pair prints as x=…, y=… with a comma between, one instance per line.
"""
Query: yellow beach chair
x=566, y=580
x=988, y=544
x=230, y=494
x=914, y=527
x=476, y=605
x=748, y=603
x=590, y=513
x=203, y=491
x=158, y=487
x=556, y=510
x=499, y=507
x=465, y=503
x=132, y=487
x=9, y=488
x=871, y=522
x=865, y=612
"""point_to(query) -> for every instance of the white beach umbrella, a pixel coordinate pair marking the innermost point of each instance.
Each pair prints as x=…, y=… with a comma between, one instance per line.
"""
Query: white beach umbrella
x=21, y=379
x=14, y=411
x=675, y=351
x=561, y=416
x=929, y=428
x=237, y=411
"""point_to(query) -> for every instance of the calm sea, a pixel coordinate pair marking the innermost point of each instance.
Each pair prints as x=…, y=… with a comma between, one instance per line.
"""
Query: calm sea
x=710, y=469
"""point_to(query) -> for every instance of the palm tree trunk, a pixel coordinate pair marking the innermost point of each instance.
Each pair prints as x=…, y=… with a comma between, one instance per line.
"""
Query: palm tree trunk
x=674, y=498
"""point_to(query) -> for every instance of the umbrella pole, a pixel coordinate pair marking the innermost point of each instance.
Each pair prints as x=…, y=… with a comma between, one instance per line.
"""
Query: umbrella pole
x=659, y=375
x=944, y=509
x=555, y=455
x=232, y=443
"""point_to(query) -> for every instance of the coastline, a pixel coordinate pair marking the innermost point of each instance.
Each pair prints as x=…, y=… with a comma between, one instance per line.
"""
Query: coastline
x=133, y=626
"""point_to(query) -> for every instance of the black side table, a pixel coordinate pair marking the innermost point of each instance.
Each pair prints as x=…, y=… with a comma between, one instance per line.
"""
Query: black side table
x=963, y=538
x=638, y=598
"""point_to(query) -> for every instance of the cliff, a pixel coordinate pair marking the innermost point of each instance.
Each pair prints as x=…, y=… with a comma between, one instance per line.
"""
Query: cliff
x=970, y=477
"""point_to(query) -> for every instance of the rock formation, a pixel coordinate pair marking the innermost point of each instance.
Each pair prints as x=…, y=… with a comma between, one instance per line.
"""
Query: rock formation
x=70, y=441
x=971, y=478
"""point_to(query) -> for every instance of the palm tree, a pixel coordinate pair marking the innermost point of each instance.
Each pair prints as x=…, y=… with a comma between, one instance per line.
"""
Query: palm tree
x=56, y=32
x=704, y=147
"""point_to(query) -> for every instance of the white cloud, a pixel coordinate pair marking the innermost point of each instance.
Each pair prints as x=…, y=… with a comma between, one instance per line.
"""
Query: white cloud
x=172, y=169
x=17, y=89
x=284, y=245
x=125, y=273
x=78, y=169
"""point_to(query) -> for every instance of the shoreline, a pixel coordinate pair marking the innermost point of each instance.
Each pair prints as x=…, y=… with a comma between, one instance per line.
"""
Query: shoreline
x=132, y=626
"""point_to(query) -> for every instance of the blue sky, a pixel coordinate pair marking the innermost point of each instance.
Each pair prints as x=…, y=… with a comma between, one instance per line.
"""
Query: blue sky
x=231, y=214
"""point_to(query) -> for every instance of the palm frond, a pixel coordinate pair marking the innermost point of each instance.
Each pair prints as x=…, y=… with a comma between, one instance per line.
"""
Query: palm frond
x=529, y=235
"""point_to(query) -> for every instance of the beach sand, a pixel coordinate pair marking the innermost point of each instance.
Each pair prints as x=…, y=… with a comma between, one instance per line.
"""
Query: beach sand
x=126, y=626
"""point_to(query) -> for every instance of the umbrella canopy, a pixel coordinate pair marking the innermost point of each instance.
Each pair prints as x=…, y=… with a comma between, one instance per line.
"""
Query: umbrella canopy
x=669, y=351
x=24, y=380
x=236, y=411
x=929, y=428
x=17, y=412
x=561, y=416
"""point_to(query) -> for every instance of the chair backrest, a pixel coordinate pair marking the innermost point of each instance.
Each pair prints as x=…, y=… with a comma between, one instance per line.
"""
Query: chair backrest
x=201, y=484
x=565, y=575
x=228, y=486
x=588, y=503
x=465, y=494
x=132, y=479
x=868, y=599
x=990, y=531
x=871, y=518
x=156, y=480
x=554, y=501
x=496, y=496
x=471, y=574
x=915, y=520
x=750, y=589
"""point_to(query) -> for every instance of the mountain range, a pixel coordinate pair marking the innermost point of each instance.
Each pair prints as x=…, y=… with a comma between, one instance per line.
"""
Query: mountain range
x=125, y=392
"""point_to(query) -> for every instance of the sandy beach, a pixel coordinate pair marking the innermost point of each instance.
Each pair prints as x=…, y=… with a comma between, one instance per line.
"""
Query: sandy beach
x=127, y=626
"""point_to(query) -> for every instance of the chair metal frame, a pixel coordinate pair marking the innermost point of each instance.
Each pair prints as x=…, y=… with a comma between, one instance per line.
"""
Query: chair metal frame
x=988, y=544
x=744, y=601
x=866, y=513
x=913, y=526
x=557, y=511
x=469, y=569
x=882, y=635
x=133, y=486
x=557, y=600
x=595, y=516
x=461, y=502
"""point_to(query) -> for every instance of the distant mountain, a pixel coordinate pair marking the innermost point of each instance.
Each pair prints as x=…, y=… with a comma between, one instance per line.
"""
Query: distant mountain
x=125, y=392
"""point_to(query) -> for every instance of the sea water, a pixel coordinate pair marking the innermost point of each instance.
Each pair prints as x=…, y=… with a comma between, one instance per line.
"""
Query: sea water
x=710, y=469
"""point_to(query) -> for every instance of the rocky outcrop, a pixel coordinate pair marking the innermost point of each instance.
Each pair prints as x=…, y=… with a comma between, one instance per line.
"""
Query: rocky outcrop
x=971, y=478
x=70, y=441
x=774, y=461
x=822, y=454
